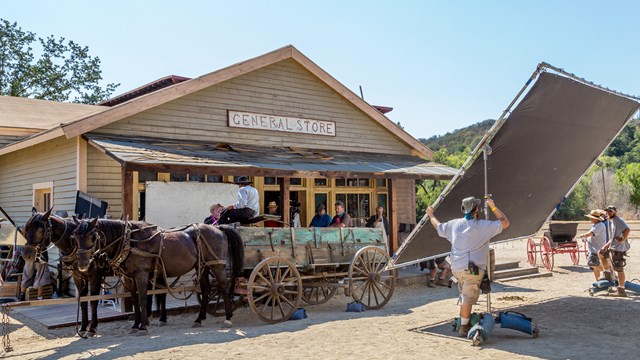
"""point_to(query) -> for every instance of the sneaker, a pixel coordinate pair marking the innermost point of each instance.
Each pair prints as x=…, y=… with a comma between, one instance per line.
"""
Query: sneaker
x=622, y=292
x=464, y=330
x=430, y=283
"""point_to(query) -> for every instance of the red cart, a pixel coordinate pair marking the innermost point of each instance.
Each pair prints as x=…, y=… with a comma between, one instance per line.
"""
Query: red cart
x=560, y=239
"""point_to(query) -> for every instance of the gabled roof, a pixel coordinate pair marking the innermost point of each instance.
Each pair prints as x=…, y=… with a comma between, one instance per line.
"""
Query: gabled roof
x=35, y=114
x=142, y=103
x=78, y=123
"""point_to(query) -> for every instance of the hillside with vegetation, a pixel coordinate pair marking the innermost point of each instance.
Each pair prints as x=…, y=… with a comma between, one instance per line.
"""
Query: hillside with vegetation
x=617, y=182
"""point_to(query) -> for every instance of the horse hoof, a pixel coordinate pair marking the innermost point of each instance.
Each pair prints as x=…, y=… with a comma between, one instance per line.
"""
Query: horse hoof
x=82, y=334
x=196, y=325
x=91, y=334
x=142, y=332
x=227, y=324
x=162, y=323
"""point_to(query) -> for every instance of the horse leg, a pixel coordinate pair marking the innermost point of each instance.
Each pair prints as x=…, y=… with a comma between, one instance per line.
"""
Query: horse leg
x=141, y=282
x=95, y=284
x=205, y=291
x=83, y=290
x=225, y=292
x=130, y=286
x=161, y=303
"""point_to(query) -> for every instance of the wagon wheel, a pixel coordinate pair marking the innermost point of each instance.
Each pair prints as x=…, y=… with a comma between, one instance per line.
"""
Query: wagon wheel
x=275, y=289
x=531, y=251
x=369, y=283
x=575, y=255
x=317, y=294
x=546, y=253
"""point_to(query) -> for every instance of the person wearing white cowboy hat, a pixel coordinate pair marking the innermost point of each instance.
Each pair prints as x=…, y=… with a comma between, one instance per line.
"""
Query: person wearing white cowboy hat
x=272, y=210
x=247, y=206
x=596, y=239
x=469, y=237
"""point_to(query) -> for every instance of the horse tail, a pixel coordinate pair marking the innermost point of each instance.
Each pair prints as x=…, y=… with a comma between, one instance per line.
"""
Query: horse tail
x=236, y=249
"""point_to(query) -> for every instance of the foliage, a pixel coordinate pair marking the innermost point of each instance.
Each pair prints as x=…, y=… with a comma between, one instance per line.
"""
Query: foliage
x=630, y=175
x=460, y=139
x=63, y=71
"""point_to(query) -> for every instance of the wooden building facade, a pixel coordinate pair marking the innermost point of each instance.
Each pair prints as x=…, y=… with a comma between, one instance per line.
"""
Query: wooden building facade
x=278, y=118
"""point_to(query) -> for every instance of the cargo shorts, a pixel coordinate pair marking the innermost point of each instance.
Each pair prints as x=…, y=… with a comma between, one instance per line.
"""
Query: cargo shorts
x=469, y=286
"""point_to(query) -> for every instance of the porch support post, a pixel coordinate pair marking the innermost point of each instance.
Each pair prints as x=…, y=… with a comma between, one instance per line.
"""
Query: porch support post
x=284, y=195
x=393, y=215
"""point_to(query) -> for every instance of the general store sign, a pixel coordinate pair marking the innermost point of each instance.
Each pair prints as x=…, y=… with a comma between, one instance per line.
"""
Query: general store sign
x=249, y=120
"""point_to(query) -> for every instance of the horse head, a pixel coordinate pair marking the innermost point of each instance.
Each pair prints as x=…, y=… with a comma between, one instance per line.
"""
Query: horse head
x=38, y=232
x=87, y=238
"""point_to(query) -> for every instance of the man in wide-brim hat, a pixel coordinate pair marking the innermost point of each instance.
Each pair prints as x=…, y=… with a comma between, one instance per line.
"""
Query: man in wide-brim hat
x=617, y=246
x=247, y=206
x=596, y=239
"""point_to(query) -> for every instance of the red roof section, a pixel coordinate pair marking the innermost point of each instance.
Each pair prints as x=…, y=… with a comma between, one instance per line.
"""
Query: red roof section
x=145, y=89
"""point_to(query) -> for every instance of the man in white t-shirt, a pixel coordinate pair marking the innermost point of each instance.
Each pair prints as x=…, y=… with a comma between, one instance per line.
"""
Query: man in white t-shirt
x=596, y=239
x=469, y=237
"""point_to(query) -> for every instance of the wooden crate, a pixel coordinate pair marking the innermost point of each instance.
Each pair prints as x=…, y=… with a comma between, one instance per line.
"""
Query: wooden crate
x=10, y=289
x=32, y=293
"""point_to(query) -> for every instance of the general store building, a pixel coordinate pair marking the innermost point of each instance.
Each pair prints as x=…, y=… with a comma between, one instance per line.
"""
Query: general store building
x=279, y=118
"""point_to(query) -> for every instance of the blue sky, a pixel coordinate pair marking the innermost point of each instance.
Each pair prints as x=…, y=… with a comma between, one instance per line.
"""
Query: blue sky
x=441, y=65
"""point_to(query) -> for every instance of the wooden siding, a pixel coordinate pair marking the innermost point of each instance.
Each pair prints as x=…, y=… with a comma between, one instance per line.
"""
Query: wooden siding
x=406, y=196
x=284, y=88
x=53, y=161
x=104, y=180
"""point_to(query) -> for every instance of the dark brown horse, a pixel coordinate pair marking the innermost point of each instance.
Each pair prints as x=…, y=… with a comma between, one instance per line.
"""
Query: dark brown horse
x=43, y=229
x=136, y=249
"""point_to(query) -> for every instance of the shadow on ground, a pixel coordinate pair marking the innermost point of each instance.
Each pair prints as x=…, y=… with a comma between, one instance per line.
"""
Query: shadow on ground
x=557, y=319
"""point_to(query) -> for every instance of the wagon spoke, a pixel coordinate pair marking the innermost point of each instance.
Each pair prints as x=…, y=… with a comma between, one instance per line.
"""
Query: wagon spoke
x=280, y=306
x=268, y=269
x=292, y=292
x=385, y=285
x=288, y=302
x=266, y=303
x=284, y=276
x=259, y=287
x=381, y=293
x=261, y=297
x=278, y=272
x=263, y=278
x=355, y=267
x=364, y=264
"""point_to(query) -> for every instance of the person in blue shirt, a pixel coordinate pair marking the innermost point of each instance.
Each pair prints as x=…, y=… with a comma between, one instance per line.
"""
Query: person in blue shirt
x=321, y=219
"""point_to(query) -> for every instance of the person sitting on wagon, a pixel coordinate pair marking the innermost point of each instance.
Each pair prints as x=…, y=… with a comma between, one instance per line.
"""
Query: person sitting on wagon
x=247, y=206
x=321, y=218
x=342, y=219
x=596, y=239
x=216, y=210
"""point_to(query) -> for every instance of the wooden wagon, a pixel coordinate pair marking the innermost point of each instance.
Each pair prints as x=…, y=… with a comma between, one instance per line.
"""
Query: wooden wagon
x=286, y=266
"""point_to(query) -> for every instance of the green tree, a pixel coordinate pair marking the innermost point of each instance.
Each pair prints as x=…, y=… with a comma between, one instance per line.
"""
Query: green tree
x=630, y=175
x=64, y=70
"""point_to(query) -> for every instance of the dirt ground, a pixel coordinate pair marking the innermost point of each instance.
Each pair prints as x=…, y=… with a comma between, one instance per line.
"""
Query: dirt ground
x=414, y=325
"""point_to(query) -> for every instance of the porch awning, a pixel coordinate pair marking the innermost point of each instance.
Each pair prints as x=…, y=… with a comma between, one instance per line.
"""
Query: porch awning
x=153, y=154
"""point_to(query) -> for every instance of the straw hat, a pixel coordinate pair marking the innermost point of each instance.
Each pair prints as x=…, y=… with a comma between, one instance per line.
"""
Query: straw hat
x=272, y=204
x=594, y=214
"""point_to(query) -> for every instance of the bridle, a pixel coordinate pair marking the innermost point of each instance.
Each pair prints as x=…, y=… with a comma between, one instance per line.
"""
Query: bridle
x=47, y=239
